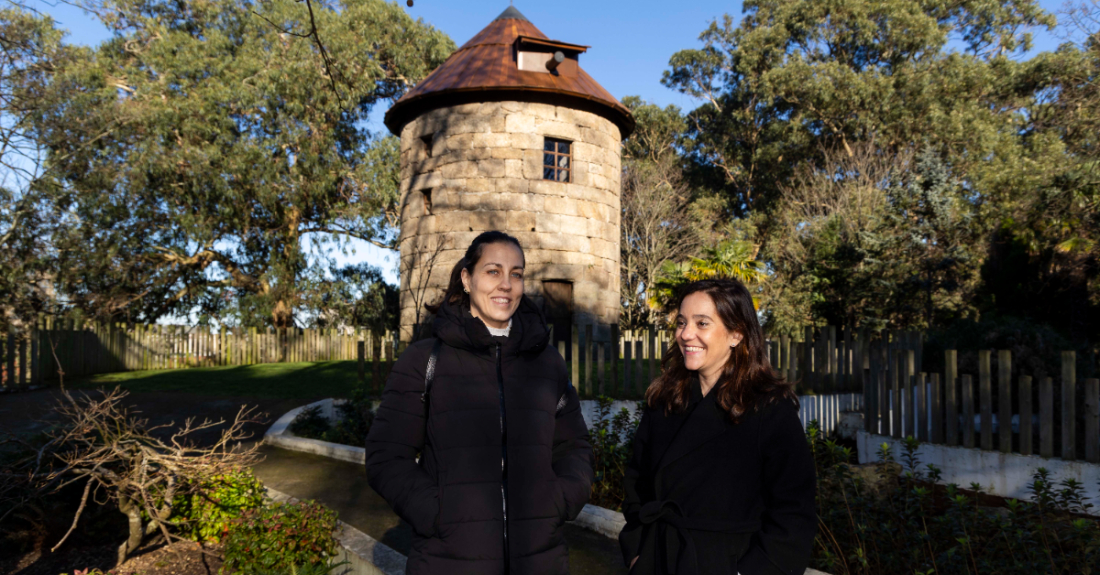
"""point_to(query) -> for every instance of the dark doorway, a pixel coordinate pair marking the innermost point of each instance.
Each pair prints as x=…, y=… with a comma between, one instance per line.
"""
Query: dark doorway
x=559, y=311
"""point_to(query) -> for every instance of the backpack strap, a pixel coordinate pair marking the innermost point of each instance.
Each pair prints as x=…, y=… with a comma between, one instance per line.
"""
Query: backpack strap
x=563, y=399
x=429, y=372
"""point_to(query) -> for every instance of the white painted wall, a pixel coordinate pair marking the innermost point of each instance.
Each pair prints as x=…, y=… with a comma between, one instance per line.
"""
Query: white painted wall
x=1004, y=474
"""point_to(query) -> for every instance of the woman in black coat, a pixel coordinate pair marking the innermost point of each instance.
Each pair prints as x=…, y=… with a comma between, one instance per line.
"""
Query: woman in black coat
x=722, y=478
x=489, y=465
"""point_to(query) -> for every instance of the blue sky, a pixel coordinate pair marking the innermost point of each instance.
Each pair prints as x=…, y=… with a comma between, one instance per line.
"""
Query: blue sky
x=631, y=43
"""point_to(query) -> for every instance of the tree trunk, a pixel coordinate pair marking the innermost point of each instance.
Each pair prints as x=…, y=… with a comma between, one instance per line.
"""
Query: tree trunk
x=133, y=513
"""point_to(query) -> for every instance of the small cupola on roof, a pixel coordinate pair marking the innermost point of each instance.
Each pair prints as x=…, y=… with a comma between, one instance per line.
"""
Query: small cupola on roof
x=511, y=59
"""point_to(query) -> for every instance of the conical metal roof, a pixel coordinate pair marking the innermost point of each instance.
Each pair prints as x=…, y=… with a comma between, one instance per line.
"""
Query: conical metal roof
x=484, y=70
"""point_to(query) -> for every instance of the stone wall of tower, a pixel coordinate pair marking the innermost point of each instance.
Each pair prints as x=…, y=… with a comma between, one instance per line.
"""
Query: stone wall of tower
x=470, y=168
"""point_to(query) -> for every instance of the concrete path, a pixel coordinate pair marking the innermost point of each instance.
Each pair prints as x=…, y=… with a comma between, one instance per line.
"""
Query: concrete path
x=343, y=486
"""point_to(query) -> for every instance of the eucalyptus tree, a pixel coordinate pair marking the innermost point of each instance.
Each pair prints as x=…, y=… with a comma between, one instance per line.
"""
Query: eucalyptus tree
x=205, y=145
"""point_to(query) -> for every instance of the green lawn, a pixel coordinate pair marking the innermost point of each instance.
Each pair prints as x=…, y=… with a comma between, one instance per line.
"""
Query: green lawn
x=270, y=380
x=267, y=380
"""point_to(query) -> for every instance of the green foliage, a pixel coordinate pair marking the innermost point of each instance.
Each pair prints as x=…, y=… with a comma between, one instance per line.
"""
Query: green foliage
x=353, y=420
x=735, y=259
x=612, y=445
x=873, y=521
x=310, y=423
x=879, y=242
x=929, y=163
x=272, y=538
x=202, y=149
x=211, y=508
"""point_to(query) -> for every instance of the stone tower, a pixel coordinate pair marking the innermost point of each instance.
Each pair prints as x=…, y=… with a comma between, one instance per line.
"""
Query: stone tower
x=511, y=134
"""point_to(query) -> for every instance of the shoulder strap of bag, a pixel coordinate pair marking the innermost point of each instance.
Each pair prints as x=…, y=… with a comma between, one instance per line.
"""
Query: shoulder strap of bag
x=429, y=372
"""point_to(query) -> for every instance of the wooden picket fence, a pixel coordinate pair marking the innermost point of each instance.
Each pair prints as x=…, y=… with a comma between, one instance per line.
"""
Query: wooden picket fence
x=55, y=347
x=1012, y=415
x=827, y=360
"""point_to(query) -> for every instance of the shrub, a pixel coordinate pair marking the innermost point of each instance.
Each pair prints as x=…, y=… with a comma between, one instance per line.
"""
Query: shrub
x=280, y=536
x=310, y=423
x=612, y=445
x=353, y=422
x=883, y=523
x=219, y=500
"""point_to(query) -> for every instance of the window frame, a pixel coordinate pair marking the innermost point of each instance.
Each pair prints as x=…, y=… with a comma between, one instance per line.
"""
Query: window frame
x=557, y=155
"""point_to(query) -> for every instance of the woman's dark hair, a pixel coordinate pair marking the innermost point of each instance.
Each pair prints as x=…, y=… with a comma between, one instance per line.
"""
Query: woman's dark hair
x=455, y=292
x=748, y=381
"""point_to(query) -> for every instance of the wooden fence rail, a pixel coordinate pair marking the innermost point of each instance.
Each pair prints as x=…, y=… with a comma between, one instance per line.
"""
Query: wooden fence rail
x=55, y=348
x=825, y=361
x=996, y=414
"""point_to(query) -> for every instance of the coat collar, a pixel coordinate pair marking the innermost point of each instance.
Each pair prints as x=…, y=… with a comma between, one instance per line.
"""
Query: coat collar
x=705, y=421
x=457, y=328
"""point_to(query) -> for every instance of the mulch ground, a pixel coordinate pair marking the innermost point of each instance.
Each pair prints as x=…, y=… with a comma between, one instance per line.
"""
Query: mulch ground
x=180, y=558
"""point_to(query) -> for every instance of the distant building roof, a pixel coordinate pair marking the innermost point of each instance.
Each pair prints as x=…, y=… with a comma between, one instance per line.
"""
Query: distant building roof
x=485, y=69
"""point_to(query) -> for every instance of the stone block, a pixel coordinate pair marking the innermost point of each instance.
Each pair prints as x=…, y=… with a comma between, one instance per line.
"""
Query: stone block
x=483, y=221
x=591, y=210
x=519, y=124
x=573, y=225
x=423, y=181
x=491, y=168
x=595, y=169
x=511, y=186
x=512, y=106
x=580, y=175
x=542, y=111
x=525, y=141
x=553, y=271
x=464, y=108
x=520, y=221
x=557, y=241
x=529, y=241
x=571, y=258
x=489, y=141
x=532, y=165
x=459, y=142
x=445, y=198
x=479, y=202
x=605, y=249
x=562, y=206
x=480, y=185
x=513, y=168
x=456, y=221
x=491, y=109
x=547, y=222
x=465, y=169
x=563, y=130
x=507, y=154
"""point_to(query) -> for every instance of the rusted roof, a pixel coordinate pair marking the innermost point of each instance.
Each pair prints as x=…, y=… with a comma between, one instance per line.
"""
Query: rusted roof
x=484, y=69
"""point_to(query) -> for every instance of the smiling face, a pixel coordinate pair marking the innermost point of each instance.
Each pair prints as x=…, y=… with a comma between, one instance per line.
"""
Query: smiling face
x=496, y=284
x=703, y=339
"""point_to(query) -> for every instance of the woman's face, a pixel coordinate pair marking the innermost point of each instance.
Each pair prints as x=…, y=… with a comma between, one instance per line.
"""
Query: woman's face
x=496, y=284
x=704, y=340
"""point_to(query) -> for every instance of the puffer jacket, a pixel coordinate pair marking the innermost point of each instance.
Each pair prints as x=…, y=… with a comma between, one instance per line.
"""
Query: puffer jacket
x=504, y=459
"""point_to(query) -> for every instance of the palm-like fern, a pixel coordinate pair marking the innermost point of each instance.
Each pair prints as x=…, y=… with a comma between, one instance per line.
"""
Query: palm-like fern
x=729, y=259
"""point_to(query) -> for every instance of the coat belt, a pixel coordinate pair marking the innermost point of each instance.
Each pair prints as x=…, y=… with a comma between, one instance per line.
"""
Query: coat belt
x=670, y=524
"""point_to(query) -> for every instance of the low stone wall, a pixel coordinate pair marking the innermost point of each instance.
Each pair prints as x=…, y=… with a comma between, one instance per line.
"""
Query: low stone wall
x=1004, y=474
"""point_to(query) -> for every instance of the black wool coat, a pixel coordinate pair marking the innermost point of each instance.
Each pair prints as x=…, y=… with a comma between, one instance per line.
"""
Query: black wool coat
x=504, y=458
x=705, y=496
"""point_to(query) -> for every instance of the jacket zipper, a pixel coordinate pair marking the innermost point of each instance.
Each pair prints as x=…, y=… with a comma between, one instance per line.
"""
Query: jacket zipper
x=503, y=455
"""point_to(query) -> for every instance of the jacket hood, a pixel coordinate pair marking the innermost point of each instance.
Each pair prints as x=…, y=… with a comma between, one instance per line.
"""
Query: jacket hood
x=457, y=328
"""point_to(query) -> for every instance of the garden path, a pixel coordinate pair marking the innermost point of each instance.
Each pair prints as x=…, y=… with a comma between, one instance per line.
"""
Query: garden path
x=343, y=486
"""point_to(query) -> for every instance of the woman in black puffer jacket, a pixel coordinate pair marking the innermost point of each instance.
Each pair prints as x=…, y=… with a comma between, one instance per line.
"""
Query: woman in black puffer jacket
x=504, y=458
